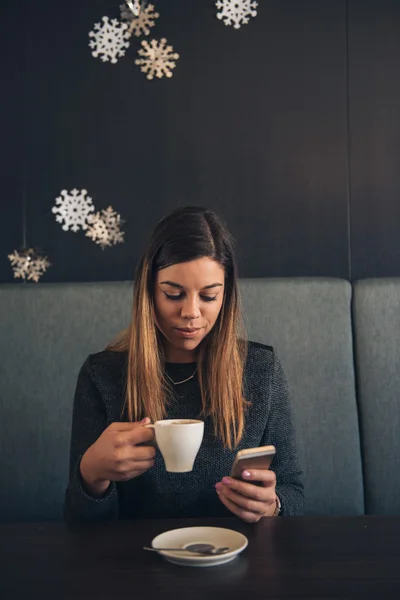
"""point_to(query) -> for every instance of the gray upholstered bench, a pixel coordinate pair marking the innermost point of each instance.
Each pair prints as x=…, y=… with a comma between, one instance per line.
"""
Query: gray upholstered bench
x=47, y=330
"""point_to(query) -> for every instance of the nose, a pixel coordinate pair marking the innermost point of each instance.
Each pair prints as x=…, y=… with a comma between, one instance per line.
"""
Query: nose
x=190, y=309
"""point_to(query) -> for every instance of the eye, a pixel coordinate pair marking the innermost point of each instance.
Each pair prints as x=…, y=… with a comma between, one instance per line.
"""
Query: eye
x=180, y=296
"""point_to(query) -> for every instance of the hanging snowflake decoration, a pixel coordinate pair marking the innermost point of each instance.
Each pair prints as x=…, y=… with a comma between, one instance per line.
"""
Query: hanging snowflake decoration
x=28, y=264
x=105, y=228
x=158, y=59
x=142, y=24
x=110, y=40
x=236, y=12
x=73, y=209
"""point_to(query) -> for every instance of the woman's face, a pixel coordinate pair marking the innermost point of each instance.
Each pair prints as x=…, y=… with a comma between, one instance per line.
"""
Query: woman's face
x=188, y=298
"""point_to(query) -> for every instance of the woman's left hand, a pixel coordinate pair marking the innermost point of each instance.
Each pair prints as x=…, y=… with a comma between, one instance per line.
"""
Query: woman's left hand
x=248, y=501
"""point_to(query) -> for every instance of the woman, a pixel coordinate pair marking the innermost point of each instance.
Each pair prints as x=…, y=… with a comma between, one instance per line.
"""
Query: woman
x=184, y=355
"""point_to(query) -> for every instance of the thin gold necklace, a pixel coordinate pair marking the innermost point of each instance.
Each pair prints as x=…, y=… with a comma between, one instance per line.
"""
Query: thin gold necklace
x=183, y=380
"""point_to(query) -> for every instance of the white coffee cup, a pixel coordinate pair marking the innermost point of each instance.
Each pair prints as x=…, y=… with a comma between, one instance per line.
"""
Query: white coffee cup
x=179, y=441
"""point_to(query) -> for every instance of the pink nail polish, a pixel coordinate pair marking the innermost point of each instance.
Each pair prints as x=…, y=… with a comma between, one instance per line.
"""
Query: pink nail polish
x=227, y=481
x=246, y=474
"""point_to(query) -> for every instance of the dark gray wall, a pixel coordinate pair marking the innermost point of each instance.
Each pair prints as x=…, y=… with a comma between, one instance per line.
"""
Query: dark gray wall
x=288, y=127
x=374, y=109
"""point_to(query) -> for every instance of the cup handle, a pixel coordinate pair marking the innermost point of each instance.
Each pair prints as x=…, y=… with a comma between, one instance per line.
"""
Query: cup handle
x=154, y=442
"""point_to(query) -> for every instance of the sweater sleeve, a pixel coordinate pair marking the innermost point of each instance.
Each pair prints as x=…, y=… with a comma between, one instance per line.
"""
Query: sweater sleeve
x=89, y=420
x=280, y=432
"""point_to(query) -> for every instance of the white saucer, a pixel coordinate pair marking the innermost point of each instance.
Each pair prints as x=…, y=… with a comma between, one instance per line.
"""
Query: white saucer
x=179, y=538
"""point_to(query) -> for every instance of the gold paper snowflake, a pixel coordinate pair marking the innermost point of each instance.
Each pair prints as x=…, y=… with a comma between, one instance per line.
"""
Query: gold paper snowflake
x=28, y=264
x=158, y=58
x=105, y=228
x=143, y=22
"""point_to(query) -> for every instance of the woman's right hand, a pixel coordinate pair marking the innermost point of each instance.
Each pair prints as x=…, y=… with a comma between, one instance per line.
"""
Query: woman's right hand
x=116, y=456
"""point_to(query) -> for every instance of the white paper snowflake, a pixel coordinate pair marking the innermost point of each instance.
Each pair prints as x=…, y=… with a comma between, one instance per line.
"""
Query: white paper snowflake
x=105, y=228
x=110, y=40
x=28, y=264
x=73, y=209
x=158, y=59
x=142, y=24
x=236, y=12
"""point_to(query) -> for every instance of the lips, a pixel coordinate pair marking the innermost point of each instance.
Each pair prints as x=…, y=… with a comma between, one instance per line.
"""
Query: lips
x=190, y=333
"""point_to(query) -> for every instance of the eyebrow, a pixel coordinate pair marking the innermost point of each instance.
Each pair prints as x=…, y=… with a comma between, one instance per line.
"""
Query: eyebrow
x=178, y=285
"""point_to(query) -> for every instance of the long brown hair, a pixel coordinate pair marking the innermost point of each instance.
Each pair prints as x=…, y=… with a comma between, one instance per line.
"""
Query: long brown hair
x=187, y=234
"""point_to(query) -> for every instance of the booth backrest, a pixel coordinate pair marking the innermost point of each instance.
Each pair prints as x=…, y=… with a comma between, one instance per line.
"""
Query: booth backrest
x=377, y=342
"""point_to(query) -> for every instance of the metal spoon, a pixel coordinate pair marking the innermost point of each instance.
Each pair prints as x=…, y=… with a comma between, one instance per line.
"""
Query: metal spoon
x=206, y=549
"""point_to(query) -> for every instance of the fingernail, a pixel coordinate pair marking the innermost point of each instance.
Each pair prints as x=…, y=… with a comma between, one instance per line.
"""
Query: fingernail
x=227, y=481
x=246, y=474
x=145, y=420
x=218, y=486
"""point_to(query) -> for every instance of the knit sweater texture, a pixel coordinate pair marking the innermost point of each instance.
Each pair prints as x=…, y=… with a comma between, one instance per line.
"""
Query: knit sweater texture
x=99, y=400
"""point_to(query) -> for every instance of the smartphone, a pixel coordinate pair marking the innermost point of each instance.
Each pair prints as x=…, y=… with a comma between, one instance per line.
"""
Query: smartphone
x=252, y=458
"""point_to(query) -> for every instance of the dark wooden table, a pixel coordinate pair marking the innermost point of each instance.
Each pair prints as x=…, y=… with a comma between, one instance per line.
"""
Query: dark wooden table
x=335, y=558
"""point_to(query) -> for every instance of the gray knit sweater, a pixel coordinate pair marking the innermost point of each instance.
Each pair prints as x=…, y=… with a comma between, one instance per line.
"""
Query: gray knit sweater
x=98, y=402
